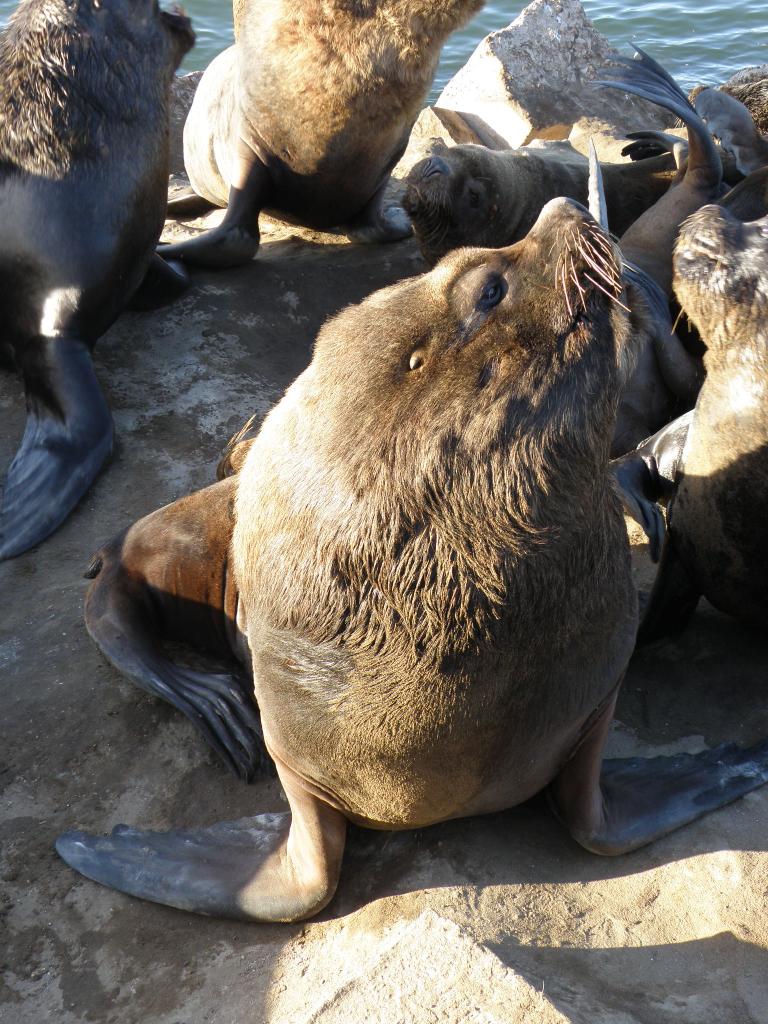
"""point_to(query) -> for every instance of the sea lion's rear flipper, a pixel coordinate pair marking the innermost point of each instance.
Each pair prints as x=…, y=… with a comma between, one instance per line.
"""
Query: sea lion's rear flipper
x=67, y=437
x=646, y=78
x=648, y=144
x=167, y=578
x=247, y=870
x=647, y=475
x=236, y=239
x=163, y=283
x=185, y=202
x=379, y=223
x=615, y=806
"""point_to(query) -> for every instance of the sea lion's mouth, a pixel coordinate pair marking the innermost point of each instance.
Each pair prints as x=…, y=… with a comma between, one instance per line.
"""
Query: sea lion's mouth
x=429, y=207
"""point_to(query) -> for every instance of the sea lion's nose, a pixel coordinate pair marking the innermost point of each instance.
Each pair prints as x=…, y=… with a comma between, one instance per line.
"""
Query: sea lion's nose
x=434, y=165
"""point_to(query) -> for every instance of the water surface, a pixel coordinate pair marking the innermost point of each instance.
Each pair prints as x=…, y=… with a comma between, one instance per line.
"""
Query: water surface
x=696, y=41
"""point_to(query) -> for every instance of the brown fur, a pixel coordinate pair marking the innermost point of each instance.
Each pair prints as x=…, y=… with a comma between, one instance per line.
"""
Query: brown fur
x=432, y=567
x=328, y=92
x=717, y=519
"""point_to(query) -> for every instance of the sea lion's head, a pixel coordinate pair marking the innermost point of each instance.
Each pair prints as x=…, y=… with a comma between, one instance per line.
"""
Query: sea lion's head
x=85, y=29
x=489, y=349
x=453, y=201
x=721, y=275
x=77, y=74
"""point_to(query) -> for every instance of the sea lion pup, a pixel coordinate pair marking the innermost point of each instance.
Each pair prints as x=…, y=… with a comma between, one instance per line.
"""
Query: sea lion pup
x=471, y=195
x=84, y=93
x=712, y=466
x=731, y=123
x=307, y=114
x=439, y=611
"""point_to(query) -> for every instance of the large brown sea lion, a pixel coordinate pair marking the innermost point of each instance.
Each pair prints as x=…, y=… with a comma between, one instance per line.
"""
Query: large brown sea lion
x=83, y=176
x=307, y=114
x=712, y=465
x=430, y=574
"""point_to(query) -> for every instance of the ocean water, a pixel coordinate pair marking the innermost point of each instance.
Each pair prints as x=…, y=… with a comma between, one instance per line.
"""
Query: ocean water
x=697, y=41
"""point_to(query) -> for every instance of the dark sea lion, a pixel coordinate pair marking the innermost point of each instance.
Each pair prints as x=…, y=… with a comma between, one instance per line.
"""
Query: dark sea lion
x=712, y=466
x=471, y=195
x=83, y=175
x=440, y=613
x=307, y=115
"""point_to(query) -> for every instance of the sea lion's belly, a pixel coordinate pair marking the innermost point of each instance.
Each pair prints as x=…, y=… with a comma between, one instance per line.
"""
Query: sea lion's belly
x=407, y=750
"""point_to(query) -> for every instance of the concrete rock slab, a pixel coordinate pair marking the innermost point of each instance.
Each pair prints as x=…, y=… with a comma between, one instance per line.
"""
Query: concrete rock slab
x=418, y=971
x=534, y=78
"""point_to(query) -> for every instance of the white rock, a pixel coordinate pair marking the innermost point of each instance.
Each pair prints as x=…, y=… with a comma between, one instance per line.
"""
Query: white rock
x=534, y=79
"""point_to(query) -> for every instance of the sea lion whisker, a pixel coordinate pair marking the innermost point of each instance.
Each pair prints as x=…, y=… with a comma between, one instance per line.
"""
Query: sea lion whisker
x=602, y=271
x=575, y=277
x=561, y=268
x=612, y=297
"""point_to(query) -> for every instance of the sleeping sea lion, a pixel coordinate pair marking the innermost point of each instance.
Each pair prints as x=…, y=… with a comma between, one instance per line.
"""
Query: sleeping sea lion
x=472, y=195
x=438, y=613
x=84, y=93
x=712, y=465
x=307, y=114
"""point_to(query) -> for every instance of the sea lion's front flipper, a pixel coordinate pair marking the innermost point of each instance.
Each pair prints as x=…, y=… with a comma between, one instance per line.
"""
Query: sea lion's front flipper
x=168, y=577
x=615, y=806
x=67, y=437
x=236, y=240
x=163, y=283
x=647, y=475
x=272, y=867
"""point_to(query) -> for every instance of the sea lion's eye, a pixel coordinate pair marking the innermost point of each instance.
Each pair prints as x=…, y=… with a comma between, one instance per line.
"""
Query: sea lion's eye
x=474, y=197
x=493, y=292
x=416, y=360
